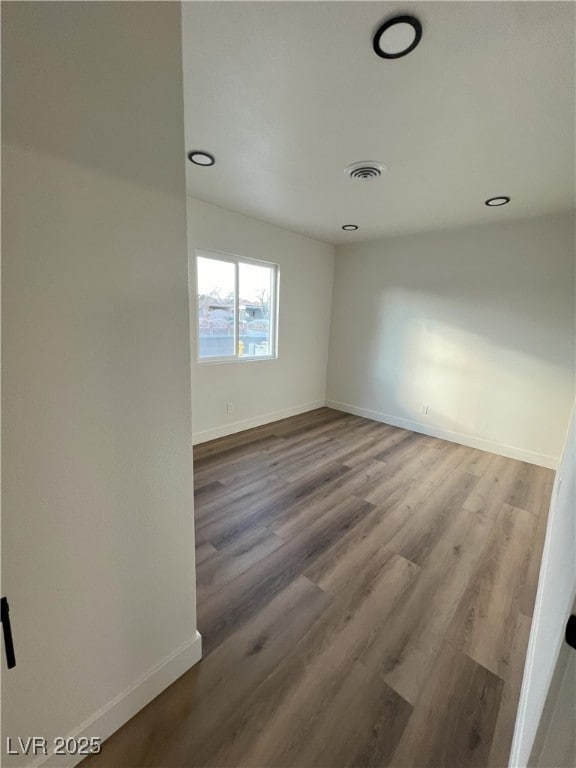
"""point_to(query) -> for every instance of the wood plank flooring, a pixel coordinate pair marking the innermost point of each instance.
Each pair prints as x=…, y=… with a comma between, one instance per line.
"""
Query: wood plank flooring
x=364, y=596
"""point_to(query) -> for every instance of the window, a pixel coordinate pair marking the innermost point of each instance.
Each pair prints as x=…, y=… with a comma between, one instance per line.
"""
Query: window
x=237, y=307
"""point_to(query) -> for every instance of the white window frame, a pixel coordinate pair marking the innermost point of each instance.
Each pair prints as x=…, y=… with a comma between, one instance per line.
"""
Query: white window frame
x=206, y=253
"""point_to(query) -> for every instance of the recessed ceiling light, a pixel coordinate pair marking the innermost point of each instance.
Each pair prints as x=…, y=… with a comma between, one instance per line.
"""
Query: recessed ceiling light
x=349, y=227
x=496, y=202
x=397, y=37
x=199, y=157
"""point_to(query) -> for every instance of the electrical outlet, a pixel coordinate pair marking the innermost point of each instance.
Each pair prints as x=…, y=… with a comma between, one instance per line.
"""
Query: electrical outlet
x=229, y=408
x=423, y=408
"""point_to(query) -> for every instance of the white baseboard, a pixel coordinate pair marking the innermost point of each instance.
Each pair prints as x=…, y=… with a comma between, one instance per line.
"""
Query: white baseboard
x=257, y=421
x=510, y=451
x=115, y=713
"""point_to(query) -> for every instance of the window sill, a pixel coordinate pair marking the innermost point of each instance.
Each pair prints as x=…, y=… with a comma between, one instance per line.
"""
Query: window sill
x=216, y=360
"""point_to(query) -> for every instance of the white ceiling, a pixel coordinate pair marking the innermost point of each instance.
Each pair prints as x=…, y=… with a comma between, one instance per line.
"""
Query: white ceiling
x=286, y=94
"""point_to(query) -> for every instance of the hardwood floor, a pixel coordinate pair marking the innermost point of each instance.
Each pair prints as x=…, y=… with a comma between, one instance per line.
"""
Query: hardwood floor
x=364, y=596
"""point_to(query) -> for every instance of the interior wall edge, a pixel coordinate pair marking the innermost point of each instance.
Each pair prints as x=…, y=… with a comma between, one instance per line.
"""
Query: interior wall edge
x=509, y=451
x=557, y=579
x=113, y=715
x=552, y=710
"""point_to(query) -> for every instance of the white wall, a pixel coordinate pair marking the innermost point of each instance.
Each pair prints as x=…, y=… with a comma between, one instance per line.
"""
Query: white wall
x=97, y=537
x=264, y=390
x=557, y=727
x=554, y=599
x=477, y=323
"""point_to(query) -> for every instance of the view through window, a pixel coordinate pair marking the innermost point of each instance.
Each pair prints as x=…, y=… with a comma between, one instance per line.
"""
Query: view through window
x=236, y=307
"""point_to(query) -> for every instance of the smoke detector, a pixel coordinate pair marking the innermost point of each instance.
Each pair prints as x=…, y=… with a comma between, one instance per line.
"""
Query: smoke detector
x=365, y=170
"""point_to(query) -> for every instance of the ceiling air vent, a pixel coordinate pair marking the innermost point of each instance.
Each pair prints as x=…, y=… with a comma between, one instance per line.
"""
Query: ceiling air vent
x=366, y=170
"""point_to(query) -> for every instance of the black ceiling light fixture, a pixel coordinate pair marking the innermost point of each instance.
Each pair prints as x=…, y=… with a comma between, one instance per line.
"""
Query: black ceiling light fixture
x=199, y=157
x=350, y=227
x=397, y=37
x=496, y=202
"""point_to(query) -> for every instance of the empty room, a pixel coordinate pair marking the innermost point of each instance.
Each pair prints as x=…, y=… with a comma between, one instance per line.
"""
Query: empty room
x=288, y=384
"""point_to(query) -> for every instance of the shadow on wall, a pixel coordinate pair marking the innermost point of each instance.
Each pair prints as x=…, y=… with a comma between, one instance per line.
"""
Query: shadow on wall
x=487, y=343
x=429, y=360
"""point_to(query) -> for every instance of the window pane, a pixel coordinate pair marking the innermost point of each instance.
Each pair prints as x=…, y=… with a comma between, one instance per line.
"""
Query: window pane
x=256, y=296
x=216, y=307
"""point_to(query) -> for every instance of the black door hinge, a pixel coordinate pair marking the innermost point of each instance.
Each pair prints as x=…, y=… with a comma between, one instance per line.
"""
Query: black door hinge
x=7, y=629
